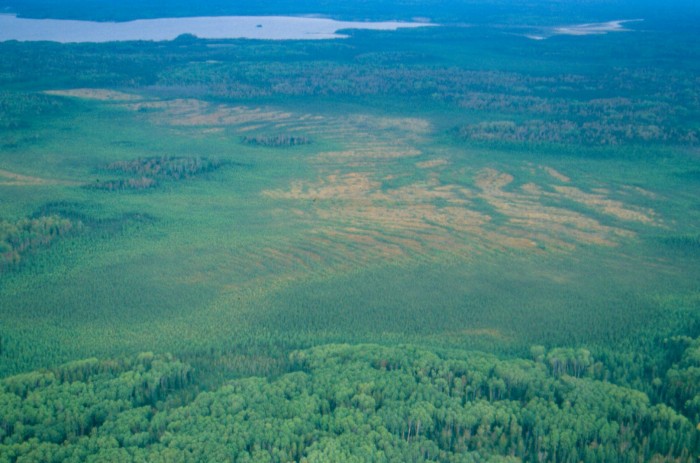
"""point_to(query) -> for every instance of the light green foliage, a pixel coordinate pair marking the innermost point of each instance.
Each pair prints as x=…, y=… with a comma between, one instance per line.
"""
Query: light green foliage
x=28, y=235
x=363, y=403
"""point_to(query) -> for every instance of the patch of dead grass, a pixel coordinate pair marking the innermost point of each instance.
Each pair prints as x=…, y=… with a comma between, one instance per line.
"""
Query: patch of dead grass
x=351, y=218
x=95, y=94
x=607, y=206
x=556, y=174
x=432, y=163
x=8, y=178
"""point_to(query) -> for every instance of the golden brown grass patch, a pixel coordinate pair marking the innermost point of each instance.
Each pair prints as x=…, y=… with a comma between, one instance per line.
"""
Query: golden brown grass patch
x=607, y=206
x=407, y=124
x=95, y=94
x=368, y=154
x=193, y=112
x=491, y=181
x=550, y=225
x=352, y=217
x=432, y=163
x=8, y=178
x=353, y=185
x=555, y=174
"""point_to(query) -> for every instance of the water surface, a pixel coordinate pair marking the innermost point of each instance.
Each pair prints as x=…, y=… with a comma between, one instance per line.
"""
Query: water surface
x=219, y=27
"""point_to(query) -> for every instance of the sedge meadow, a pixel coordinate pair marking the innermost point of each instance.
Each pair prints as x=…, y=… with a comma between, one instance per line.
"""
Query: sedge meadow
x=477, y=241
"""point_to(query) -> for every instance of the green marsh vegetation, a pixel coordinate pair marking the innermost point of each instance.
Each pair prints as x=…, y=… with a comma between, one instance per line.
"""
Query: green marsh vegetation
x=454, y=239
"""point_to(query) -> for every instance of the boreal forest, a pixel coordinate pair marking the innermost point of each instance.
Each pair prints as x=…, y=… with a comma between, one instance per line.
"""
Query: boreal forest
x=382, y=231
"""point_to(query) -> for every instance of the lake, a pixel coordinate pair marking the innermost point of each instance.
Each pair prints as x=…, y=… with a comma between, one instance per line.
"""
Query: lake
x=220, y=27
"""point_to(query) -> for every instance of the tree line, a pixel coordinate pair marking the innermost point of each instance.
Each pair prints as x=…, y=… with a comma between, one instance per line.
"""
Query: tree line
x=275, y=140
x=600, y=131
x=339, y=403
x=149, y=172
x=29, y=234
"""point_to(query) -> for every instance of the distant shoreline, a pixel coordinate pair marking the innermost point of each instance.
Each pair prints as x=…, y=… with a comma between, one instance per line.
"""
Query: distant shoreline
x=583, y=29
x=13, y=27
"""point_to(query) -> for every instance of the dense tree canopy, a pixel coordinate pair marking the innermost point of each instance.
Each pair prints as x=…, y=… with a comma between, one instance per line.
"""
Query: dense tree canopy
x=341, y=403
